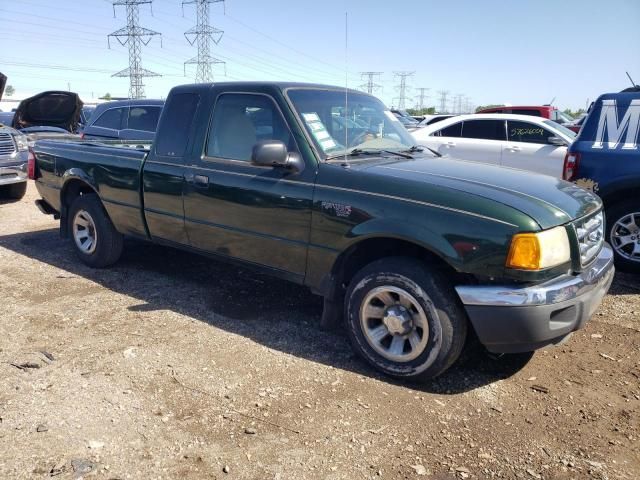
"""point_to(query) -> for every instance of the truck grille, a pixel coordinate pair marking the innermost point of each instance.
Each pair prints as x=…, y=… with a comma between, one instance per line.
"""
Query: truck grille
x=7, y=147
x=590, y=233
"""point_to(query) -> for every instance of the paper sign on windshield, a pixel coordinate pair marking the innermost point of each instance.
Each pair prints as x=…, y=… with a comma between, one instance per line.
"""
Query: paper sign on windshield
x=319, y=131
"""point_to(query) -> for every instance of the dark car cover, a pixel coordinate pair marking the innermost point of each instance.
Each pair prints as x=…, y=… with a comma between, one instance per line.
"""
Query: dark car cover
x=49, y=109
x=3, y=83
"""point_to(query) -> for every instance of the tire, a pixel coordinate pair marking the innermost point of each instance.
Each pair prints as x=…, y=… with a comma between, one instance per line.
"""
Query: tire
x=96, y=241
x=419, y=296
x=619, y=215
x=15, y=191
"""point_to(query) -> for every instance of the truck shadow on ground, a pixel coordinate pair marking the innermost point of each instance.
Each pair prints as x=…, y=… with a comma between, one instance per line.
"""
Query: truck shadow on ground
x=272, y=312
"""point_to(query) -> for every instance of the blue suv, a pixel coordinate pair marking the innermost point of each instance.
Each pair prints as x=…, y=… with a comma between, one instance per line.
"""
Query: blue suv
x=124, y=120
x=605, y=158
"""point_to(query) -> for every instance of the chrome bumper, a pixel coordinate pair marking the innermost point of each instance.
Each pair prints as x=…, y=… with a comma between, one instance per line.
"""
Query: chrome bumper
x=561, y=289
x=10, y=174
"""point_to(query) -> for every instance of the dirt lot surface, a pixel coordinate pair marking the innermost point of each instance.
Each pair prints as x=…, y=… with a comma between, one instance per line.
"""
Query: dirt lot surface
x=170, y=365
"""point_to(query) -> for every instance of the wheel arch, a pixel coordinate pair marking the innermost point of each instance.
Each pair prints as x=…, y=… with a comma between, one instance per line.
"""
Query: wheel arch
x=369, y=248
x=620, y=193
x=75, y=183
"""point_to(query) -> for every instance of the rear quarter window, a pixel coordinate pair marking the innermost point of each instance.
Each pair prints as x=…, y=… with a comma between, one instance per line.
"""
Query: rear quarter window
x=173, y=134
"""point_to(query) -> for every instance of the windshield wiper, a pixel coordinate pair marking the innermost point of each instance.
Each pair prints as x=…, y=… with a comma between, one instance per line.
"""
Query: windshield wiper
x=367, y=151
x=420, y=148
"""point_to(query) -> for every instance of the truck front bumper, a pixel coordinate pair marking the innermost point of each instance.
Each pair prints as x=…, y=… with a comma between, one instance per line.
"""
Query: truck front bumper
x=13, y=173
x=511, y=320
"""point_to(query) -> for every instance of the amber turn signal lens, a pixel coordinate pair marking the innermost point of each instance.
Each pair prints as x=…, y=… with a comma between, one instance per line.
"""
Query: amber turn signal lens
x=525, y=252
x=535, y=251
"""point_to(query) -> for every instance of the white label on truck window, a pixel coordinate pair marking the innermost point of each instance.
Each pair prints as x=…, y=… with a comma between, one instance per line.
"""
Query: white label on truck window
x=328, y=143
x=319, y=131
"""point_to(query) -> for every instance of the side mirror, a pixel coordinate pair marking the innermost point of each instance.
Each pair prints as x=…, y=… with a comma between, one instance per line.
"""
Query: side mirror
x=553, y=140
x=273, y=153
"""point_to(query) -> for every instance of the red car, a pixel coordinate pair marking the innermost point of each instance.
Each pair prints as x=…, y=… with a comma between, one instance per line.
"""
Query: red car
x=544, y=111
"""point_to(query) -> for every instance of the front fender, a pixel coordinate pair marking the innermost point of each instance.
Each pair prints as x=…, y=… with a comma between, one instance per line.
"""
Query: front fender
x=420, y=235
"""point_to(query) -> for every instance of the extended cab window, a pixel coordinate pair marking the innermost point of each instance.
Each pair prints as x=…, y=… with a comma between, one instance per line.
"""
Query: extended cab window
x=242, y=120
x=527, y=132
x=484, y=129
x=144, y=118
x=173, y=134
x=454, y=130
x=112, y=118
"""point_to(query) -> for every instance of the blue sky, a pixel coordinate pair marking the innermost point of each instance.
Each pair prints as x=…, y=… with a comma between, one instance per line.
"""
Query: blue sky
x=490, y=51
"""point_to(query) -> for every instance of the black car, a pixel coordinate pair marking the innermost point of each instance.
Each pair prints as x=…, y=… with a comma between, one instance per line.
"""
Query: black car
x=124, y=120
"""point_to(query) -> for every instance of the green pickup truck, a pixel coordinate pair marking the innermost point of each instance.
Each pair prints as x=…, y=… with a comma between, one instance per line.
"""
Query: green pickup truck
x=324, y=187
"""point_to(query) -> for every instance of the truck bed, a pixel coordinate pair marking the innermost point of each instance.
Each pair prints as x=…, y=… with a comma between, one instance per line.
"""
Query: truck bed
x=112, y=171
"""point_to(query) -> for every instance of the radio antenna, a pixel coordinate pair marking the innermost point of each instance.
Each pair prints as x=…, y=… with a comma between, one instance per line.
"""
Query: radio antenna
x=633, y=84
x=346, y=86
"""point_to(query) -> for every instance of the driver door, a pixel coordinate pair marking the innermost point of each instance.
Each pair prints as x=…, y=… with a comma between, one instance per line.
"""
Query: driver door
x=233, y=208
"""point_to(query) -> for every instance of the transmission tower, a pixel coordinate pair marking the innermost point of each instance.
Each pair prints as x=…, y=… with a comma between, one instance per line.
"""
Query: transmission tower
x=443, y=100
x=203, y=34
x=134, y=36
x=370, y=86
x=457, y=103
x=402, y=88
x=422, y=96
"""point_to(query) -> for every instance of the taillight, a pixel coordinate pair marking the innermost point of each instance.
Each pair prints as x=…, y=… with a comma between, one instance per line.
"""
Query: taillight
x=82, y=136
x=31, y=165
x=571, y=163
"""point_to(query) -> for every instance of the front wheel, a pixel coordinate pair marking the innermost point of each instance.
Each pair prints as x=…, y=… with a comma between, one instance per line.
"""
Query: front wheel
x=623, y=229
x=405, y=319
x=97, y=242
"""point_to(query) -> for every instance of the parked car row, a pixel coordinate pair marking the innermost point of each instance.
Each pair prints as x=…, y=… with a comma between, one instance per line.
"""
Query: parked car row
x=545, y=111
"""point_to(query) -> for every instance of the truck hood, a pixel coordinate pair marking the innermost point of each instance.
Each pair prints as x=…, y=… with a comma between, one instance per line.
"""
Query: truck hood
x=547, y=200
x=49, y=109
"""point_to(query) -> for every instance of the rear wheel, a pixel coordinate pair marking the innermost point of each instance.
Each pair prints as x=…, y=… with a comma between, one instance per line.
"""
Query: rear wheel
x=623, y=229
x=405, y=319
x=96, y=241
x=14, y=191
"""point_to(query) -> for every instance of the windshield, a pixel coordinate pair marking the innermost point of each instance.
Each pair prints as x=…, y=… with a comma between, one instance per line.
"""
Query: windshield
x=365, y=123
x=561, y=128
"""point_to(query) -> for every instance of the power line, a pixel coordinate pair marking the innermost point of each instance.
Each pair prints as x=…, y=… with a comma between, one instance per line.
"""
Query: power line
x=203, y=34
x=402, y=88
x=370, y=86
x=134, y=36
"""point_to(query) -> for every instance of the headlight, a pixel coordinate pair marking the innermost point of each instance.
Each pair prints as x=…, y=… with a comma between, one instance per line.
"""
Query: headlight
x=22, y=143
x=535, y=251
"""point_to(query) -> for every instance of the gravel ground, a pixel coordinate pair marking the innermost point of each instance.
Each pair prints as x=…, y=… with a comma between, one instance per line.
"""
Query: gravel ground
x=170, y=365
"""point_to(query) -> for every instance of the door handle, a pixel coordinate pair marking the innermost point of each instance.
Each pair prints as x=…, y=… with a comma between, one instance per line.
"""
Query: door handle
x=514, y=148
x=450, y=144
x=201, y=181
x=197, y=180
